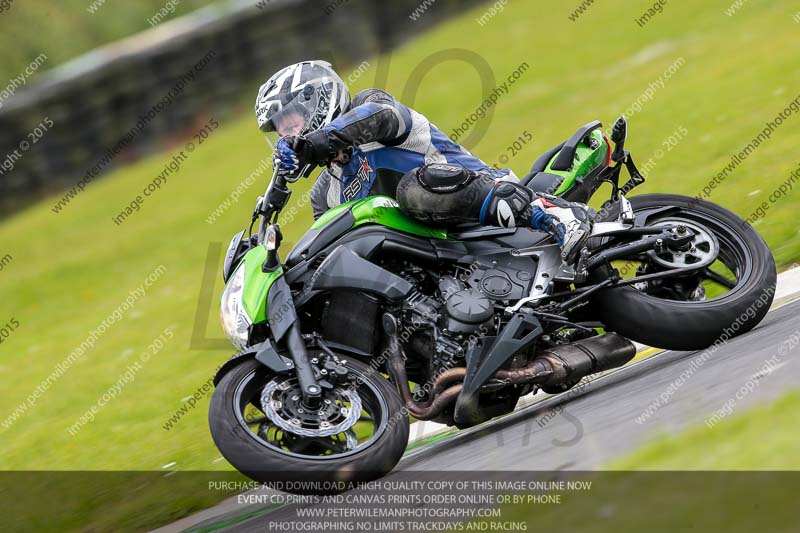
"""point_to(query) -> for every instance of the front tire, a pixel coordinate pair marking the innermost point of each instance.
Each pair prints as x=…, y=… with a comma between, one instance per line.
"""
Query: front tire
x=265, y=462
x=694, y=325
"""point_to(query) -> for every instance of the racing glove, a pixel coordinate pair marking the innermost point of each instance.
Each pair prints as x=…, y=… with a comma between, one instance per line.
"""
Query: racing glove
x=294, y=153
x=285, y=159
x=314, y=148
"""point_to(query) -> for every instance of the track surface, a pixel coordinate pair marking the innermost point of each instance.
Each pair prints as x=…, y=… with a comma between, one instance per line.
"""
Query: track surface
x=601, y=424
x=586, y=429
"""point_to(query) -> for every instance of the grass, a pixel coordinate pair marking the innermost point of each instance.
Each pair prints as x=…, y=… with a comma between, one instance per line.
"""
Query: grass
x=66, y=28
x=760, y=439
x=731, y=477
x=69, y=271
x=735, y=502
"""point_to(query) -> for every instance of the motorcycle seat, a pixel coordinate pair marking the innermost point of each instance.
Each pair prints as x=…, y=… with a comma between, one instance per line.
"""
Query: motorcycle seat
x=537, y=179
x=474, y=230
x=544, y=182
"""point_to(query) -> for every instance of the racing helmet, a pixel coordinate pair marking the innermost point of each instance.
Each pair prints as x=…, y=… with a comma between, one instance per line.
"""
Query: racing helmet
x=301, y=98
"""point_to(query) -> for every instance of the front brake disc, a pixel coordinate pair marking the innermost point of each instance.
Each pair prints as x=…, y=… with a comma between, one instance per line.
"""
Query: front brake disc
x=283, y=406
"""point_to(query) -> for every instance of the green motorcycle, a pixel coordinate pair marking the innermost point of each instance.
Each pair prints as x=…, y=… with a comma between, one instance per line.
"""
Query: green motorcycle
x=374, y=317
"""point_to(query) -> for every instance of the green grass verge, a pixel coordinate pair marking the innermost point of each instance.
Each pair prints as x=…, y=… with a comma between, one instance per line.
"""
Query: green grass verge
x=667, y=502
x=65, y=29
x=69, y=271
x=763, y=438
x=728, y=478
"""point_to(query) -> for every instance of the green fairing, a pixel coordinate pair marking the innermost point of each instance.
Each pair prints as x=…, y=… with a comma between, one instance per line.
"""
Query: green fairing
x=586, y=160
x=380, y=210
x=385, y=211
x=332, y=213
x=257, y=284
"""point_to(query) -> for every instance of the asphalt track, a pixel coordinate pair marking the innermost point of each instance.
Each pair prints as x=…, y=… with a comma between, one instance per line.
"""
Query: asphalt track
x=587, y=428
x=601, y=422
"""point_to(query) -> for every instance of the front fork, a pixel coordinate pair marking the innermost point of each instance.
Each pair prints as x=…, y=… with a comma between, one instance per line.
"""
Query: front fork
x=284, y=324
x=326, y=372
x=309, y=386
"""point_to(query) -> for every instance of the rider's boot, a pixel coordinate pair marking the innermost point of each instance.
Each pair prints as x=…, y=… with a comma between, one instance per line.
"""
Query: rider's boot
x=509, y=204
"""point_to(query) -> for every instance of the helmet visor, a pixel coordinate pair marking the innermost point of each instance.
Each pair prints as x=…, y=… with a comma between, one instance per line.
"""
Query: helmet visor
x=307, y=111
x=290, y=120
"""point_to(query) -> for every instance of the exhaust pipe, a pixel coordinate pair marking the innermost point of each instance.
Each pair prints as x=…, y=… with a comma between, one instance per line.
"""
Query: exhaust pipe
x=572, y=362
x=443, y=394
x=557, y=365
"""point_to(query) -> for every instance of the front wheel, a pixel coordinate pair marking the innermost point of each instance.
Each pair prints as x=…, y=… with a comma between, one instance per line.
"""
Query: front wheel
x=727, y=297
x=259, y=422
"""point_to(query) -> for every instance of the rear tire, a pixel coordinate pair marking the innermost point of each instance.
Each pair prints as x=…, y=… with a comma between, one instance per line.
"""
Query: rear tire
x=693, y=325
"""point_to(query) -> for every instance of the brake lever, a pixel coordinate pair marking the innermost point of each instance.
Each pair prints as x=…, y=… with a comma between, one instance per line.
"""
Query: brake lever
x=301, y=173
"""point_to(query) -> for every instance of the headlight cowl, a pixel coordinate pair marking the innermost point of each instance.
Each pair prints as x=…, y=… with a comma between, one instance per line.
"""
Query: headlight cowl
x=235, y=321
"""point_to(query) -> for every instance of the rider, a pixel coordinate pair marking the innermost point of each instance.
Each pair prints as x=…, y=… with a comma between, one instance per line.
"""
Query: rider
x=376, y=145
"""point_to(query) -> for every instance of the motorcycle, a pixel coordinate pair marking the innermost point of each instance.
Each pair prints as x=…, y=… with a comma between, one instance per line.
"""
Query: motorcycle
x=374, y=317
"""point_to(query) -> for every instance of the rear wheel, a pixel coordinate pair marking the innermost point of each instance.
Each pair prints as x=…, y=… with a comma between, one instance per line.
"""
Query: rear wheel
x=729, y=294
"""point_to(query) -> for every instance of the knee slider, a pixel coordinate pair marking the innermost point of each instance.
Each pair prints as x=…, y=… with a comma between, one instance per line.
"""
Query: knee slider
x=444, y=177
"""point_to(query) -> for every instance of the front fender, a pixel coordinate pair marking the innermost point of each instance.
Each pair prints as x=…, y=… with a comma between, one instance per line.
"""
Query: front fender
x=234, y=361
x=265, y=353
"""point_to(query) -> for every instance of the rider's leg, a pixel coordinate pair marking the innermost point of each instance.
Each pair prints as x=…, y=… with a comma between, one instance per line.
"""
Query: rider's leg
x=443, y=194
x=449, y=194
x=509, y=204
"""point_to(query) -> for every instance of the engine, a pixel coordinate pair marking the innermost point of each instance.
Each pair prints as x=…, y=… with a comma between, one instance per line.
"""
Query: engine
x=437, y=320
x=439, y=329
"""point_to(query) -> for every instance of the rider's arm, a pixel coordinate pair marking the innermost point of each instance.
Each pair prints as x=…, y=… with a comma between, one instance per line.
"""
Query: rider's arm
x=375, y=117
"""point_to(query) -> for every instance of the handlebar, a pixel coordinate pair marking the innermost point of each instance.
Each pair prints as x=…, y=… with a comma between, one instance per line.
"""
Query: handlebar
x=275, y=197
x=272, y=203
